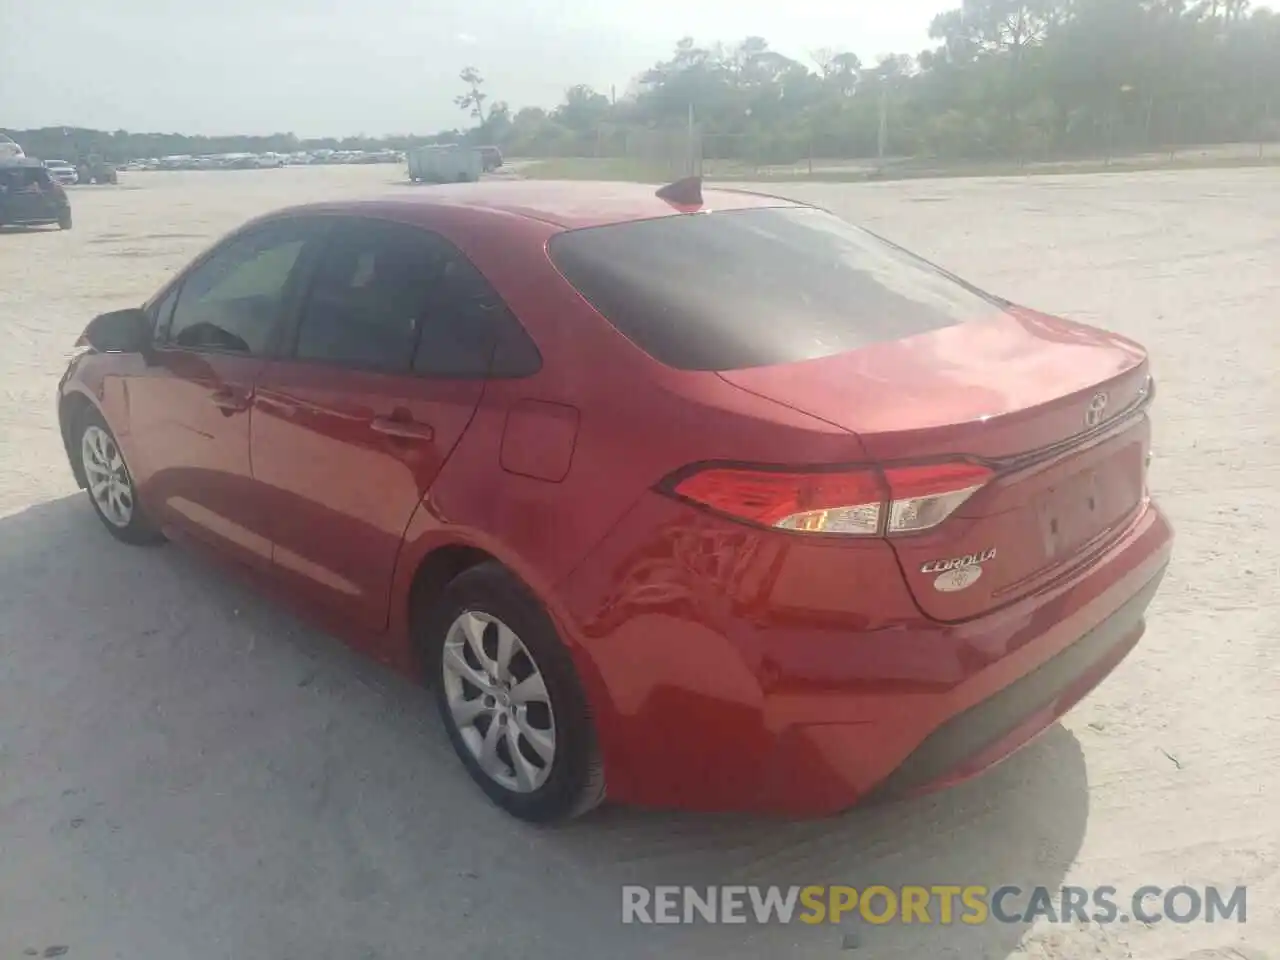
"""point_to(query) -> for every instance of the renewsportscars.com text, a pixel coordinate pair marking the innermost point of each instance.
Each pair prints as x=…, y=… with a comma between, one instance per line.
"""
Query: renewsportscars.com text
x=937, y=904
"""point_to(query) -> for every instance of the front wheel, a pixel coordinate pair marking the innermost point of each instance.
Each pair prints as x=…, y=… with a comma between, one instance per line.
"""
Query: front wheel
x=64, y=221
x=510, y=698
x=110, y=484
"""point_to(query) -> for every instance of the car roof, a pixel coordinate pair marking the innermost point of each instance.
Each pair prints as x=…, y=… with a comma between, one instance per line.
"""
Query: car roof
x=568, y=204
x=20, y=162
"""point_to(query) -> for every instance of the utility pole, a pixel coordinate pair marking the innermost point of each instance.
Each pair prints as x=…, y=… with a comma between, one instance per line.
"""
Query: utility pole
x=883, y=141
x=692, y=167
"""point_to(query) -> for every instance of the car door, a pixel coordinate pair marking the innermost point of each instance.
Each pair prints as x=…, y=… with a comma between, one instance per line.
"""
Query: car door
x=190, y=411
x=387, y=365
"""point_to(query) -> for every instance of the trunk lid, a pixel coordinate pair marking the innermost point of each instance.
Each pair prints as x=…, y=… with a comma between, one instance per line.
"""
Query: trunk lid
x=1055, y=408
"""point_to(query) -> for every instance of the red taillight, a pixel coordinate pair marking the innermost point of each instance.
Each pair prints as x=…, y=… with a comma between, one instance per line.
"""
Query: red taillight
x=866, y=502
x=792, y=501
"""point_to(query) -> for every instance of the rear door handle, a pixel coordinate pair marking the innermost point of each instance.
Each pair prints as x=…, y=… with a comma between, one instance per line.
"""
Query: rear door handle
x=402, y=429
x=229, y=400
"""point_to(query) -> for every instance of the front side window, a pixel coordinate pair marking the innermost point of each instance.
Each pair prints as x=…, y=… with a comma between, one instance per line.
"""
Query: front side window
x=162, y=312
x=232, y=301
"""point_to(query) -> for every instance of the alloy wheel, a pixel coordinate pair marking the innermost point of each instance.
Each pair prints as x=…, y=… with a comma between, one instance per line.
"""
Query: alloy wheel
x=498, y=701
x=107, y=476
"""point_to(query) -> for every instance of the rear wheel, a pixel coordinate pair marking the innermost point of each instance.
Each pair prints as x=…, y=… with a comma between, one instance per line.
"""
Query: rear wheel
x=110, y=484
x=510, y=698
x=64, y=221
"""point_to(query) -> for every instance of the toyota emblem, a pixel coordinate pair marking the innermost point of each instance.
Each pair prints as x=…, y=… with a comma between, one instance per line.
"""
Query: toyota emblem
x=1097, y=409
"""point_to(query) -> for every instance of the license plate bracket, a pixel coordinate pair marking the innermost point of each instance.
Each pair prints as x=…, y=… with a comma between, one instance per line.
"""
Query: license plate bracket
x=1072, y=513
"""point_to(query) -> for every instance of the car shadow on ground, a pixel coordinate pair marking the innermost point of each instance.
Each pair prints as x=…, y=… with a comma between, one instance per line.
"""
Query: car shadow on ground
x=189, y=766
x=16, y=228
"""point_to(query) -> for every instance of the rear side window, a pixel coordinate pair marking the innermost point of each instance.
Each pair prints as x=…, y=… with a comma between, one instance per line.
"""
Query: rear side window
x=471, y=332
x=23, y=179
x=369, y=296
x=750, y=288
x=395, y=298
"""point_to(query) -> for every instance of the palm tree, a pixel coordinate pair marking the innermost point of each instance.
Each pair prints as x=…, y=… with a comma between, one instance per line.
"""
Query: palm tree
x=473, y=100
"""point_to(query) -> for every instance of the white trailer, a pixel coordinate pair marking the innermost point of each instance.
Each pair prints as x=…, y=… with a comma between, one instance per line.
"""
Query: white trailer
x=445, y=164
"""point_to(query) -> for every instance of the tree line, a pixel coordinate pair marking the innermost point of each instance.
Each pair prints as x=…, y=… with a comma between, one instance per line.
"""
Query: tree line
x=1002, y=78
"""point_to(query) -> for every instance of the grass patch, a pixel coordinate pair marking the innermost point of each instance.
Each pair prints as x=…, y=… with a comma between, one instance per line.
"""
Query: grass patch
x=589, y=168
x=639, y=171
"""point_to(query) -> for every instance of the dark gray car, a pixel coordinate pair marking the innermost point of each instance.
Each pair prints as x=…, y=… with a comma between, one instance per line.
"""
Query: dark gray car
x=29, y=196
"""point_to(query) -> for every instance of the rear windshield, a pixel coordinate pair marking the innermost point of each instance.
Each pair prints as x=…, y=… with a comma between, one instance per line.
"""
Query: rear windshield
x=18, y=179
x=750, y=288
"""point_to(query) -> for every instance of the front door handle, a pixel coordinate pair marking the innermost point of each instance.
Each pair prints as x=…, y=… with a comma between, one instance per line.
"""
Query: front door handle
x=229, y=400
x=402, y=429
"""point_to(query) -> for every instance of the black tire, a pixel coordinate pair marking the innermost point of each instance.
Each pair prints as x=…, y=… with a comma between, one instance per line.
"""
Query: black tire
x=140, y=531
x=575, y=783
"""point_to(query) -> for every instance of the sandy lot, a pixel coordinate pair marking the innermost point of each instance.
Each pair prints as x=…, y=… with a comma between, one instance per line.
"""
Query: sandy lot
x=189, y=772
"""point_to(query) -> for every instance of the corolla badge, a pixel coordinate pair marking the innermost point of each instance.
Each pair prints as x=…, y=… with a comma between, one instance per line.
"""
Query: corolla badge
x=1097, y=409
x=957, y=573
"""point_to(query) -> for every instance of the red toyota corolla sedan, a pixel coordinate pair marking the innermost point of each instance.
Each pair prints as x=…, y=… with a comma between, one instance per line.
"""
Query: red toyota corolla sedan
x=712, y=501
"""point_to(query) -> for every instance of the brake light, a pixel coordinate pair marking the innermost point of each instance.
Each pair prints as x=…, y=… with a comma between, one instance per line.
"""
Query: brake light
x=866, y=502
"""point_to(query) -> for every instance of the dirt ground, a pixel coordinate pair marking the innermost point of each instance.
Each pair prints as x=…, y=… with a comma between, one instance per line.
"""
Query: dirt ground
x=187, y=771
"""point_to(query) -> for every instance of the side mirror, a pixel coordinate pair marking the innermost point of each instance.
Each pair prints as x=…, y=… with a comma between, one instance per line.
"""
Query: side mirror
x=121, y=331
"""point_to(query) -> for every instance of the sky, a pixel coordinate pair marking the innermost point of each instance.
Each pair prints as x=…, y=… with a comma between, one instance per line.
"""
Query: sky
x=344, y=67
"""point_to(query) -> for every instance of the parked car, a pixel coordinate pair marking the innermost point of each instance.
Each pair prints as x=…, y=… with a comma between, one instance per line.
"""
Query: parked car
x=63, y=172
x=716, y=502
x=30, y=196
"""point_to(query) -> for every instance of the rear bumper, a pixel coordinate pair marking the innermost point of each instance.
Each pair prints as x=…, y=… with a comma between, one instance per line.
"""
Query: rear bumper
x=985, y=734
x=47, y=214
x=712, y=695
